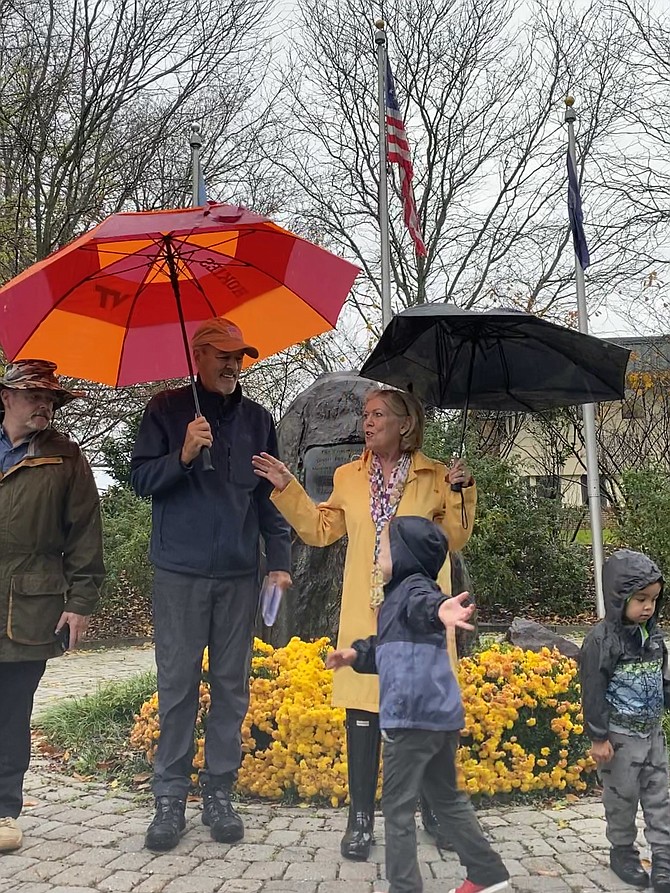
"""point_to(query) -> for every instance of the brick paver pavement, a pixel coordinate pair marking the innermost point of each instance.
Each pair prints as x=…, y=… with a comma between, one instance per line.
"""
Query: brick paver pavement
x=82, y=837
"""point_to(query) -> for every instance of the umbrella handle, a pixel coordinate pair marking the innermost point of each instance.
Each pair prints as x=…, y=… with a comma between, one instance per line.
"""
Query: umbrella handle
x=206, y=459
x=458, y=488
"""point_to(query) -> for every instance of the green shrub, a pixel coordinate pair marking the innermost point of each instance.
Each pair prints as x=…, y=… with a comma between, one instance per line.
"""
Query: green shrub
x=643, y=519
x=520, y=554
x=126, y=524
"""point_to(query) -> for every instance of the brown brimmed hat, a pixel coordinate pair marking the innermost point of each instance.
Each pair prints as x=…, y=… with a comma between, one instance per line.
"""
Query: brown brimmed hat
x=25, y=375
x=224, y=335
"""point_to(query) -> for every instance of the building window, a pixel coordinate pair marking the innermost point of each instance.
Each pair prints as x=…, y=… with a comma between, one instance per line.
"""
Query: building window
x=548, y=486
x=604, y=498
x=632, y=408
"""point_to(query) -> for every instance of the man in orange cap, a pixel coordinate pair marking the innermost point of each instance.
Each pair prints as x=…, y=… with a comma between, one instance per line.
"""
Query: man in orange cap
x=51, y=564
x=205, y=546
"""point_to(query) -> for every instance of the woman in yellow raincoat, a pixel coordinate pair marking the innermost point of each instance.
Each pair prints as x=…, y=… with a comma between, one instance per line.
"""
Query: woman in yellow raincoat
x=391, y=477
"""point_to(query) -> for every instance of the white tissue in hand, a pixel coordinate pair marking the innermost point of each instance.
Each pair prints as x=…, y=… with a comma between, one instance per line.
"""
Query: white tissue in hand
x=270, y=601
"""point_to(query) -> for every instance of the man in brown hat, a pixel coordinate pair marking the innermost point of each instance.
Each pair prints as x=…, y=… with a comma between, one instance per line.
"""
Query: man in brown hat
x=51, y=563
x=205, y=546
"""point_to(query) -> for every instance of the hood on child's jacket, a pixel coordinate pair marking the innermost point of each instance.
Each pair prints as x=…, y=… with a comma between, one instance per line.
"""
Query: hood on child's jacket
x=624, y=573
x=417, y=547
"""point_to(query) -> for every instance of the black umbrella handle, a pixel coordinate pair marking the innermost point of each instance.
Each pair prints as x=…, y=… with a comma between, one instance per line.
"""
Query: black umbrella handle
x=206, y=459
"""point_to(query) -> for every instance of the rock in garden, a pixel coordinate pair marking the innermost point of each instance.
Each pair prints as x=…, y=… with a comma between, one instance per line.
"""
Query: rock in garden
x=532, y=636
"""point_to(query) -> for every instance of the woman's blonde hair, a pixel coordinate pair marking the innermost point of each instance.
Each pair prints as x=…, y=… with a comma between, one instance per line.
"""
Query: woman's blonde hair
x=403, y=405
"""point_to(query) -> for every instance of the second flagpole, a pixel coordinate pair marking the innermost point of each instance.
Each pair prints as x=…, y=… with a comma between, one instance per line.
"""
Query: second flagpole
x=380, y=41
x=588, y=409
x=195, y=141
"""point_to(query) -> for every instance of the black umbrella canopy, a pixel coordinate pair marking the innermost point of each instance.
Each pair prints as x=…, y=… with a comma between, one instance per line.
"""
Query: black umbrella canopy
x=499, y=359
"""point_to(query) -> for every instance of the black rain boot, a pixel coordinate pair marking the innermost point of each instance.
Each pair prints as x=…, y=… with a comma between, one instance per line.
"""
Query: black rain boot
x=167, y=824
x=660, y=871
x=625, y=863
x=432, y=826
x=224, y=823
x=363, y=745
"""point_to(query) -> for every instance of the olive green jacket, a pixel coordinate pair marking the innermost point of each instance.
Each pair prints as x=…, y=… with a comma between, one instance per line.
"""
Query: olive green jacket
x=50, y=546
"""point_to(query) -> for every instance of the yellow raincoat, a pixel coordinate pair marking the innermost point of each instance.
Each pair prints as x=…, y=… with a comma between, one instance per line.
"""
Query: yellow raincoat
x=347, y=511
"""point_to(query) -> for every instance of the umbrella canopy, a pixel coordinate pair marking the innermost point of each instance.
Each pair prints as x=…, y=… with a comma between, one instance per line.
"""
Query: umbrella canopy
x=107, y=307
x=499, y=359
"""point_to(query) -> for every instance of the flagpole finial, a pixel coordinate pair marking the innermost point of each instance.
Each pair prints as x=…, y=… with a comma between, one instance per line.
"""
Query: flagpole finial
x=195, y=139
x=570, y=113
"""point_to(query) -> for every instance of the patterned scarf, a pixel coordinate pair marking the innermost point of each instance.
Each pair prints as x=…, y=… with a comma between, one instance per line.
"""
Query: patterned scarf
x=383, y=506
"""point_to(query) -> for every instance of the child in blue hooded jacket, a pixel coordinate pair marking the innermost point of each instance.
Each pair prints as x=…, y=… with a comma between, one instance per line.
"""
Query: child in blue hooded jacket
x=420, y=707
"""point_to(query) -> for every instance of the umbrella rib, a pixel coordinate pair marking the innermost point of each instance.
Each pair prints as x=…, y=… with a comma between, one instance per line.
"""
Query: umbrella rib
x=505, y=366
x=143, y=285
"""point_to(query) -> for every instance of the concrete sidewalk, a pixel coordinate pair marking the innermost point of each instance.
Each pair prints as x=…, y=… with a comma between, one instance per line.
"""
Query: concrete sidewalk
x=81, y=837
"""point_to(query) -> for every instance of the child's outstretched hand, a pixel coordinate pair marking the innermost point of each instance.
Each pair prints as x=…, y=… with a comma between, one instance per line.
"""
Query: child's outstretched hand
x=602, y=751
x=342, y=658
x=452, y=611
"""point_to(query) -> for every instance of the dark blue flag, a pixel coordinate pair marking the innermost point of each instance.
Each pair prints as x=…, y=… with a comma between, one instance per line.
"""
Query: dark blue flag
x=576, y=216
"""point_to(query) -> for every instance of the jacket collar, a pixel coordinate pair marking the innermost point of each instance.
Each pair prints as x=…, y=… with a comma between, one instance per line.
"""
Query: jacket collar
x=216, y=402
x=418, y=463
x=49, y=444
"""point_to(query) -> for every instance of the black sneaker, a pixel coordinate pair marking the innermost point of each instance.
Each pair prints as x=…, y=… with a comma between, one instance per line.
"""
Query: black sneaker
x=167, y=825
x=625, y=863
x=660, y=871
x=218, y=815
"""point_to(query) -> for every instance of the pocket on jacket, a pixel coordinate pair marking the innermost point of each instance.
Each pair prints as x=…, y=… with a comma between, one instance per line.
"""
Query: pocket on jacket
x=241, y=470
x=36, y=602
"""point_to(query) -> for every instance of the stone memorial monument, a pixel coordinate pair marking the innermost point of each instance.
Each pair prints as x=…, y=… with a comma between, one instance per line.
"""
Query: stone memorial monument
x=320, y=430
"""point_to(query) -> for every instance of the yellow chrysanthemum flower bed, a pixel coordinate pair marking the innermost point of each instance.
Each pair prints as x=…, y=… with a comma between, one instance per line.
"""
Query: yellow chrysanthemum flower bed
x=523, y=725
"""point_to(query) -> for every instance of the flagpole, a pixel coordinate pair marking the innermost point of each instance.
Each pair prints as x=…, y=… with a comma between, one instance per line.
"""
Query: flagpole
x=380, y=41
x=195, y=141
x=588, y=409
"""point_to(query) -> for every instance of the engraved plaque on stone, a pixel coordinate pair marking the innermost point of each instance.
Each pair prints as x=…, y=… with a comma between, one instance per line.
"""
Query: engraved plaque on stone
x=319, y=465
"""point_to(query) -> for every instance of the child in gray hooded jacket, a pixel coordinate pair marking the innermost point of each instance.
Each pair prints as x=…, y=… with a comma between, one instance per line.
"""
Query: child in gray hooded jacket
x=623, y=668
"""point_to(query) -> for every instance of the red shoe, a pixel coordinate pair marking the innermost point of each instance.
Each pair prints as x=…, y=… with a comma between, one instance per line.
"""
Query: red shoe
x=469, y=887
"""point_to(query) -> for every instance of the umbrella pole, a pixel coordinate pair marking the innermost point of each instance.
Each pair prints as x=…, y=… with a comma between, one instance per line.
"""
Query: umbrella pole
x=174, y=279
x=464, y=418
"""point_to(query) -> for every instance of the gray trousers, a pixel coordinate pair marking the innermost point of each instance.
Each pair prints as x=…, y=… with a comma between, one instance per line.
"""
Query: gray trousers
x=191, y=613
x=414, y=758
x=637, y=774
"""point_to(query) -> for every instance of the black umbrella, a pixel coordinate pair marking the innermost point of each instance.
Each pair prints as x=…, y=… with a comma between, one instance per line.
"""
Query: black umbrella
x=499, y=359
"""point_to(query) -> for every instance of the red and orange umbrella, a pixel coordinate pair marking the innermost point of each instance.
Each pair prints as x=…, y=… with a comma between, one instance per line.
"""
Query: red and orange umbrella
x=119, y=304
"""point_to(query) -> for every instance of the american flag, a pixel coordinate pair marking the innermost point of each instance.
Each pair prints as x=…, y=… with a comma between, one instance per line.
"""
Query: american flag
x=398, y=153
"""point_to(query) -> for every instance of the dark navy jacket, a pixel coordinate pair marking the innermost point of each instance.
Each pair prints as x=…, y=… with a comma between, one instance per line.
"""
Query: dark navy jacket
x=417, y=688
x=612, y=642
x=208, y=523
